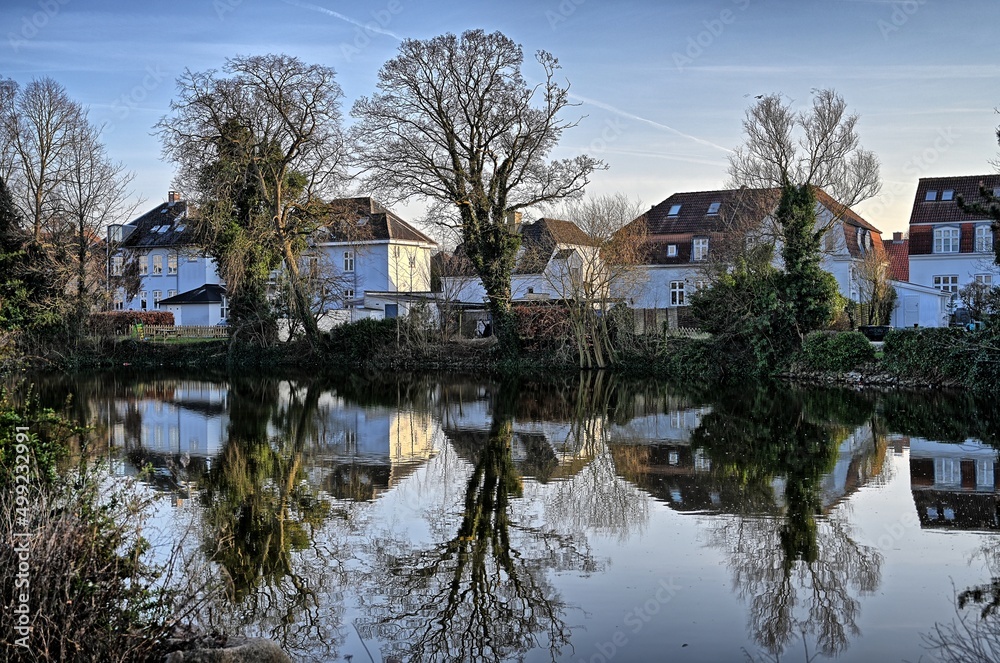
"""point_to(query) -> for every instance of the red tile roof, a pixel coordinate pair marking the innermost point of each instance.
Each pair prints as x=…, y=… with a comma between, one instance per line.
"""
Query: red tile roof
x=898, y=253
x=947, y=211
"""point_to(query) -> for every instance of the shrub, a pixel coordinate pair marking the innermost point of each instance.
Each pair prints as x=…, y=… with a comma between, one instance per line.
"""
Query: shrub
x=943, y=354
x=117, y=323
x=835, y=351
x=542, y=326
x=362, y=340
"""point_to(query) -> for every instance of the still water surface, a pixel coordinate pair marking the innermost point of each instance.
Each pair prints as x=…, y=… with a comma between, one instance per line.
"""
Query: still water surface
x=430, y=518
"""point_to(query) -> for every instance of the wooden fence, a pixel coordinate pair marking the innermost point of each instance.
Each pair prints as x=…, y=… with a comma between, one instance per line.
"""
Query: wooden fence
x=164, y=332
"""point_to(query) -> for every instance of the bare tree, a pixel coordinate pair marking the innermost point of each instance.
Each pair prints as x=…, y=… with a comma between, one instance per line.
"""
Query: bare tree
x=276, y=123
x=874, y=289
x=592, y=279
x=455, y=121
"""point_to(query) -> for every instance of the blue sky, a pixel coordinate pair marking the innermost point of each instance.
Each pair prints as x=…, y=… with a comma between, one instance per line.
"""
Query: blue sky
x=663, y=85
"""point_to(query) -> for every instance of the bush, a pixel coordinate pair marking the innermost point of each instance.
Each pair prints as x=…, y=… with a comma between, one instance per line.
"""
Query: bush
x=362, y=340
x=542, y=326
x=835, y=351
x=117, y=323
x=942, y=354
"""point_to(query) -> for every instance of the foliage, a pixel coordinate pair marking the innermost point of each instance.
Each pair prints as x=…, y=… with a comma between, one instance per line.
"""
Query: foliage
x=835, y=352
x=942, y=355
x=456, y=122
x=983, y=301
x=542, y=326
x=363, y=340
x=111, y=323
x=988, y=206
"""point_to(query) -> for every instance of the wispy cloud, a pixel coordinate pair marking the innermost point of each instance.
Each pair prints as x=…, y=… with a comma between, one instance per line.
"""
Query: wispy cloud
x=370, y=27
x=652, y=123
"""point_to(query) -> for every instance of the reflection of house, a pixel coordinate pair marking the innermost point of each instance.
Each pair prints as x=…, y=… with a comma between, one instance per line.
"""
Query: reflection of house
x=672, y=427
x=954, y=485
x=684, y=477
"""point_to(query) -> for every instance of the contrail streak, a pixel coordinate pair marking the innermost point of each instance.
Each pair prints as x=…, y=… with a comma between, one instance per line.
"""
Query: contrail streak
x=371, y=27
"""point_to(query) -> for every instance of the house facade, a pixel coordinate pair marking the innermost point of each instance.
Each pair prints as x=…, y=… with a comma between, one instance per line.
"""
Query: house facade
x=949, y=248
x=556, y=261
x=689, y=233
x=170, y=264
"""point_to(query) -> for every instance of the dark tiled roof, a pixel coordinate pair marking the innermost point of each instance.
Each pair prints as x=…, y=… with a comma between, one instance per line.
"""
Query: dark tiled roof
x=209, y=293
x=170, y=218
x=898, y=253
x=540, y=239
x=692, y=217
x=379, y=223
x=947, y=211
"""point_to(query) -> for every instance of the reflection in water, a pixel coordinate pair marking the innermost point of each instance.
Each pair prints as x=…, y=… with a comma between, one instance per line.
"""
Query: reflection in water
x=483, y=594
x=297, y=487
x=811, y=590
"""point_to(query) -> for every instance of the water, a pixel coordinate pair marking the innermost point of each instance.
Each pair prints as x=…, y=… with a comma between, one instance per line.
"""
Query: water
x=424, y=518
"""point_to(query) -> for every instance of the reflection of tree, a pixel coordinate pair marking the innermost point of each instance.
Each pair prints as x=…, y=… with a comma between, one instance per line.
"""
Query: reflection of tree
x=484, y=594
x=810, y=590
x=260, y=517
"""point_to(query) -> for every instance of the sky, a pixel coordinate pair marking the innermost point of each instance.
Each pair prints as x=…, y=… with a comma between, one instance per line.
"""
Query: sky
x=662, y=87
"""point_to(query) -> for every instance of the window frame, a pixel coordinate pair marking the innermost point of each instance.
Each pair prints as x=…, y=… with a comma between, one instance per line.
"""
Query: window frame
x=930, y=195
x=984, y=238
x=945, y=282
x=699, y=249
x=954, y=239
x=678, y=293
x=349, y=262
x=675, y=210
x=157, y=264
x=172, y=264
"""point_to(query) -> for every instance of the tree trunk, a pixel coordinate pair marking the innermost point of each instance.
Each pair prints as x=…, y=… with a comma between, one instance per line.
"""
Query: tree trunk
x=302, y=307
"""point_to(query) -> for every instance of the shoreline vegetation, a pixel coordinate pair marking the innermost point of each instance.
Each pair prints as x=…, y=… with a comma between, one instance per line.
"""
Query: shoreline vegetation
x=908, y=358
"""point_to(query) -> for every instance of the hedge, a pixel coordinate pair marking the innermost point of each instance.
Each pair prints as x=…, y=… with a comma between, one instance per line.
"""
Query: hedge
x=836, y=352
x=111, y=323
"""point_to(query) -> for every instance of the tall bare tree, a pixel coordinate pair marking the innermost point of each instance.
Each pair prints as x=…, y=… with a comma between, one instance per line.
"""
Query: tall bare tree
x=277, y=121
x=456, y=122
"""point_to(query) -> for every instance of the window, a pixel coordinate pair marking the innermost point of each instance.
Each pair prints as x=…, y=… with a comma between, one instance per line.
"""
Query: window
x=700, y=249
x=119, y=303
x=348, y=261
x=948, y=194
x=142, y=300
x=946, y=240
x=671, y=250
x=172, y=263
x=947, y=283
x=984, y=238
x=349, y=294
x=713, y=209
x=985, y=279
x=171, y=293
x=677, y=293
x=157, y=294
x=117, y=265
x=192, y=257
x=224, y=308
x=674, y=210
x=700, y=284
x=947, y=471
x=143, y=266
x=413, y=262
x=157, y=264
x=931, y=194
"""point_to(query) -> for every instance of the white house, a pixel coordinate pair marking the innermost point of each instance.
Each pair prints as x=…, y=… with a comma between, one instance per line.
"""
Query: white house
x=949, y=248
x=555, y=261
x=171, y=265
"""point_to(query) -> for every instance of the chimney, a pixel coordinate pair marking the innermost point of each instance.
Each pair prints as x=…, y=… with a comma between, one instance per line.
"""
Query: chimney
x=173, y=197
x=897, y=237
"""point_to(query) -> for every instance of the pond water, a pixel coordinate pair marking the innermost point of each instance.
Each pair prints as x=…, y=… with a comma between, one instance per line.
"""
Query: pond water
x=588, y=520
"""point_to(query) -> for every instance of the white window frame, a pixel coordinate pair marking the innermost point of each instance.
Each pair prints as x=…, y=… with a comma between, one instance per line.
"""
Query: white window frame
x=671, y=250
x=699, y=249
x=348, y=261
x=171, y=293
x=142, y=300
x=674, y=210
x=157, y=268
x=157, y=296
x=117, y=265
x=984, y=238
x=947, y=239
x=348, y=294
x=172, y=263
x=144, y=266
x=984, y=279
x=224, y=308
x=677, y=293
x=946, y=282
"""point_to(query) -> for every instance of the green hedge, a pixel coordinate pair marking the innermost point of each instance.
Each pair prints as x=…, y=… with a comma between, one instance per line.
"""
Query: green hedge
x=110, y=323
x=835, y=351
x=942, y=354
x=361, y=341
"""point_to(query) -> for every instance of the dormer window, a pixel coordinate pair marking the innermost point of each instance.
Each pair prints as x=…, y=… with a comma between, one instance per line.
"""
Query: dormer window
x=671, y=250
x=948, y=194
x=674, y=210
x=984, y=238
x=931, y=194
x=946, y=240
x=699, y=249
x=713, y=209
